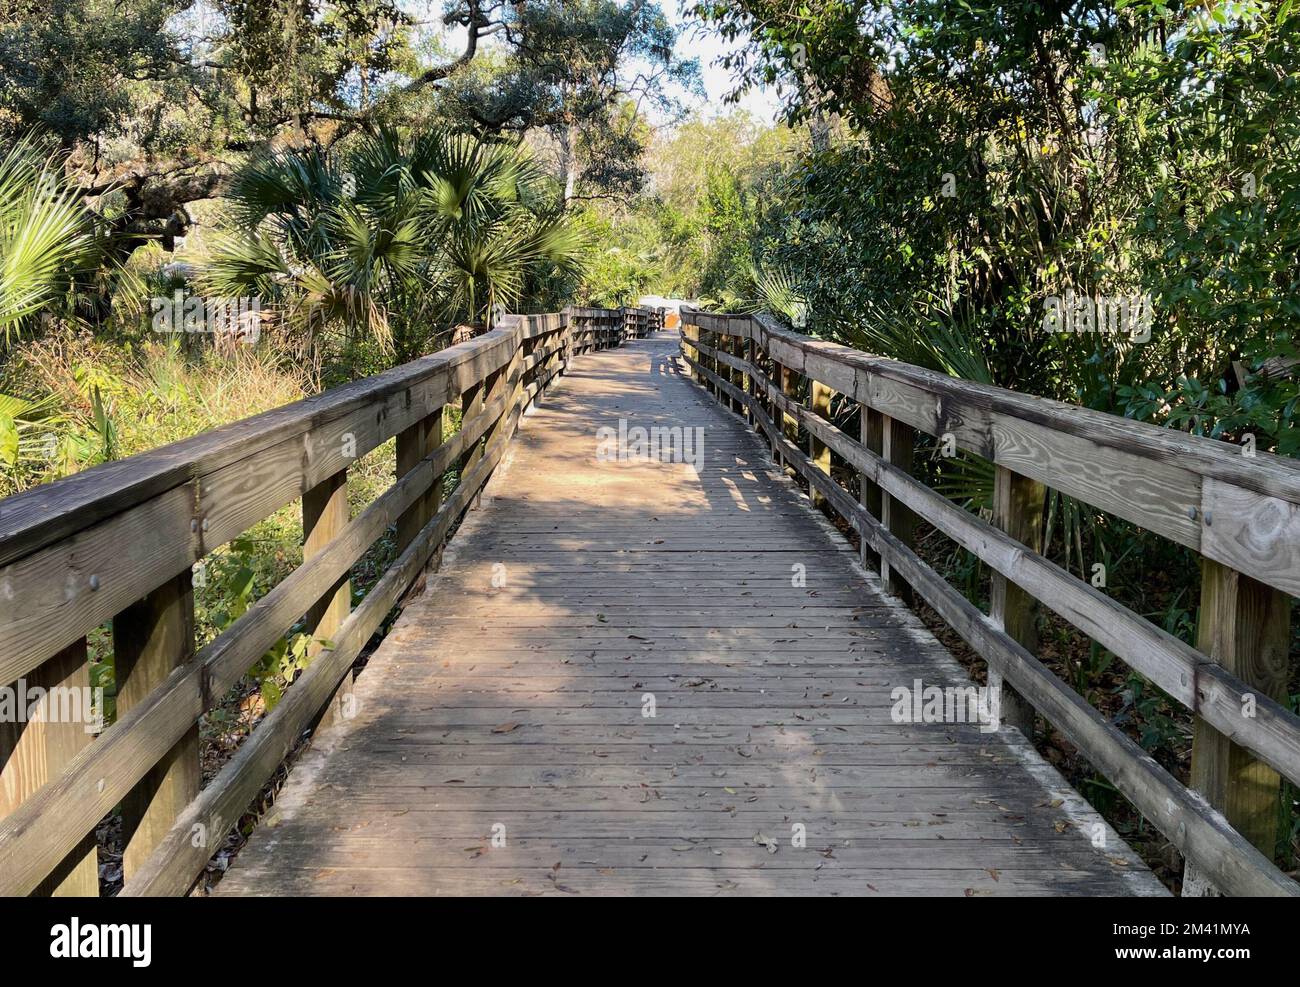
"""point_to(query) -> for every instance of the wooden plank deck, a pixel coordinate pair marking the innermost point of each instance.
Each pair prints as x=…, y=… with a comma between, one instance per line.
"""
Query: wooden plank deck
x=514, y=707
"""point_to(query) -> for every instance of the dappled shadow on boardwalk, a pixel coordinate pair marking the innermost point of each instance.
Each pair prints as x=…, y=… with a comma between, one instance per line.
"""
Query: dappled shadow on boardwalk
x=502, y=743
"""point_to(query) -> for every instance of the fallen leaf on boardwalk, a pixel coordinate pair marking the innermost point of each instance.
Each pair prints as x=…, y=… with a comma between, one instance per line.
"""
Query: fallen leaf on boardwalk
x=993, y=872
x=1061, y=826
x=505, y=727
x=766, y=841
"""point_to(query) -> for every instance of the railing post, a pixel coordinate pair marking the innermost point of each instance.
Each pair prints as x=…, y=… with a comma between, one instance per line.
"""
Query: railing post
x=738, y=375
x=819, y=403
x=871, y=433
x=414, y=444
x=502, y=383
x=704, y=359
x=527, y=349
x=789, y=425
x=692, y=334
x=566, y=341
x=896, y=448
x=324, y=514
x=1245, y=626
x=35, y=751
x=751, y=357
x=732, y=375
x=150, y=639
x=474, y=402
x=715, y=342
x=1018, y=504
x=471, y=403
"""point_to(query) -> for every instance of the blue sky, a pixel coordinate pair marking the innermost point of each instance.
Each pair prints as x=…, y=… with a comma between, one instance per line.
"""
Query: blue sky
x=708, y=47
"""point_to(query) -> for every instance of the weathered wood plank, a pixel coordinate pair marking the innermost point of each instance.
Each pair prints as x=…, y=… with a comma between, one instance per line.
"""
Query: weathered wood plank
x=1148, y=475
x=76, y=575
x=1018, y=504
x=325, y=514
x=177, y=862
x=1199, y=831
x=34, y=836
x=486, y=707
x=36, y=749
x=1273, y=732
x=150, y=640
x=48, y=514
x=1245, y=627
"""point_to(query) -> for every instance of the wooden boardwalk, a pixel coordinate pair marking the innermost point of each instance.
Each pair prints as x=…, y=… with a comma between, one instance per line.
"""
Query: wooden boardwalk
x=508, y=703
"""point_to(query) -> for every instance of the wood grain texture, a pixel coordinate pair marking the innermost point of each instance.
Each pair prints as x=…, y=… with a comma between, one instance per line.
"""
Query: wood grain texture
x=150, y=640
x=1273, y=732
x=1245, y=627
x=82, y=554
x=1018, y=510
x=35, y=750
x=325, y=515
x=50, y=513
x=819, y=403
x=1148, y=475
x=1199, y=831
x=45, y=827
x=895, y=515
x=509, y=699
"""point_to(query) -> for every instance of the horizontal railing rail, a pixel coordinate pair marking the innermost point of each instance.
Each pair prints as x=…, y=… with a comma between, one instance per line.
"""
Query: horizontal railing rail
x=117, y=544
x=1241, y=513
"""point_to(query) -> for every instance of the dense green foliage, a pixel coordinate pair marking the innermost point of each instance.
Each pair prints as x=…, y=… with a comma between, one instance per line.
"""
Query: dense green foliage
x=372, y=175
x=993, y=156
x=389, y=241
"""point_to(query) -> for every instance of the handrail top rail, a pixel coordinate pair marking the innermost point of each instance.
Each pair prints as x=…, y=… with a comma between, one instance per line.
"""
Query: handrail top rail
x=1264, y=473
x=38, y=517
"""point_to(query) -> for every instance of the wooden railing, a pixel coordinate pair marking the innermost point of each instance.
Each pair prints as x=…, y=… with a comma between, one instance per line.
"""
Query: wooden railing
x=1241, y=513
x=117, y=543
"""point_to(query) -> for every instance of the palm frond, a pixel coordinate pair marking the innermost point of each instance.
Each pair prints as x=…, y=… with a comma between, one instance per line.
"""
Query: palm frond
x=46, y=234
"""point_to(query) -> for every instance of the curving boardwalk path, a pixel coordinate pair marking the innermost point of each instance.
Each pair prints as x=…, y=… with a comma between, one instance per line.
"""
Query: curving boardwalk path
x=507, y=704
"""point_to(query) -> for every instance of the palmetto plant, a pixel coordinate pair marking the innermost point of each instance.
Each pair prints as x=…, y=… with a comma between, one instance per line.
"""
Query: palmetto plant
x=46, y=235
x=394, y=236
x=776, y=292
